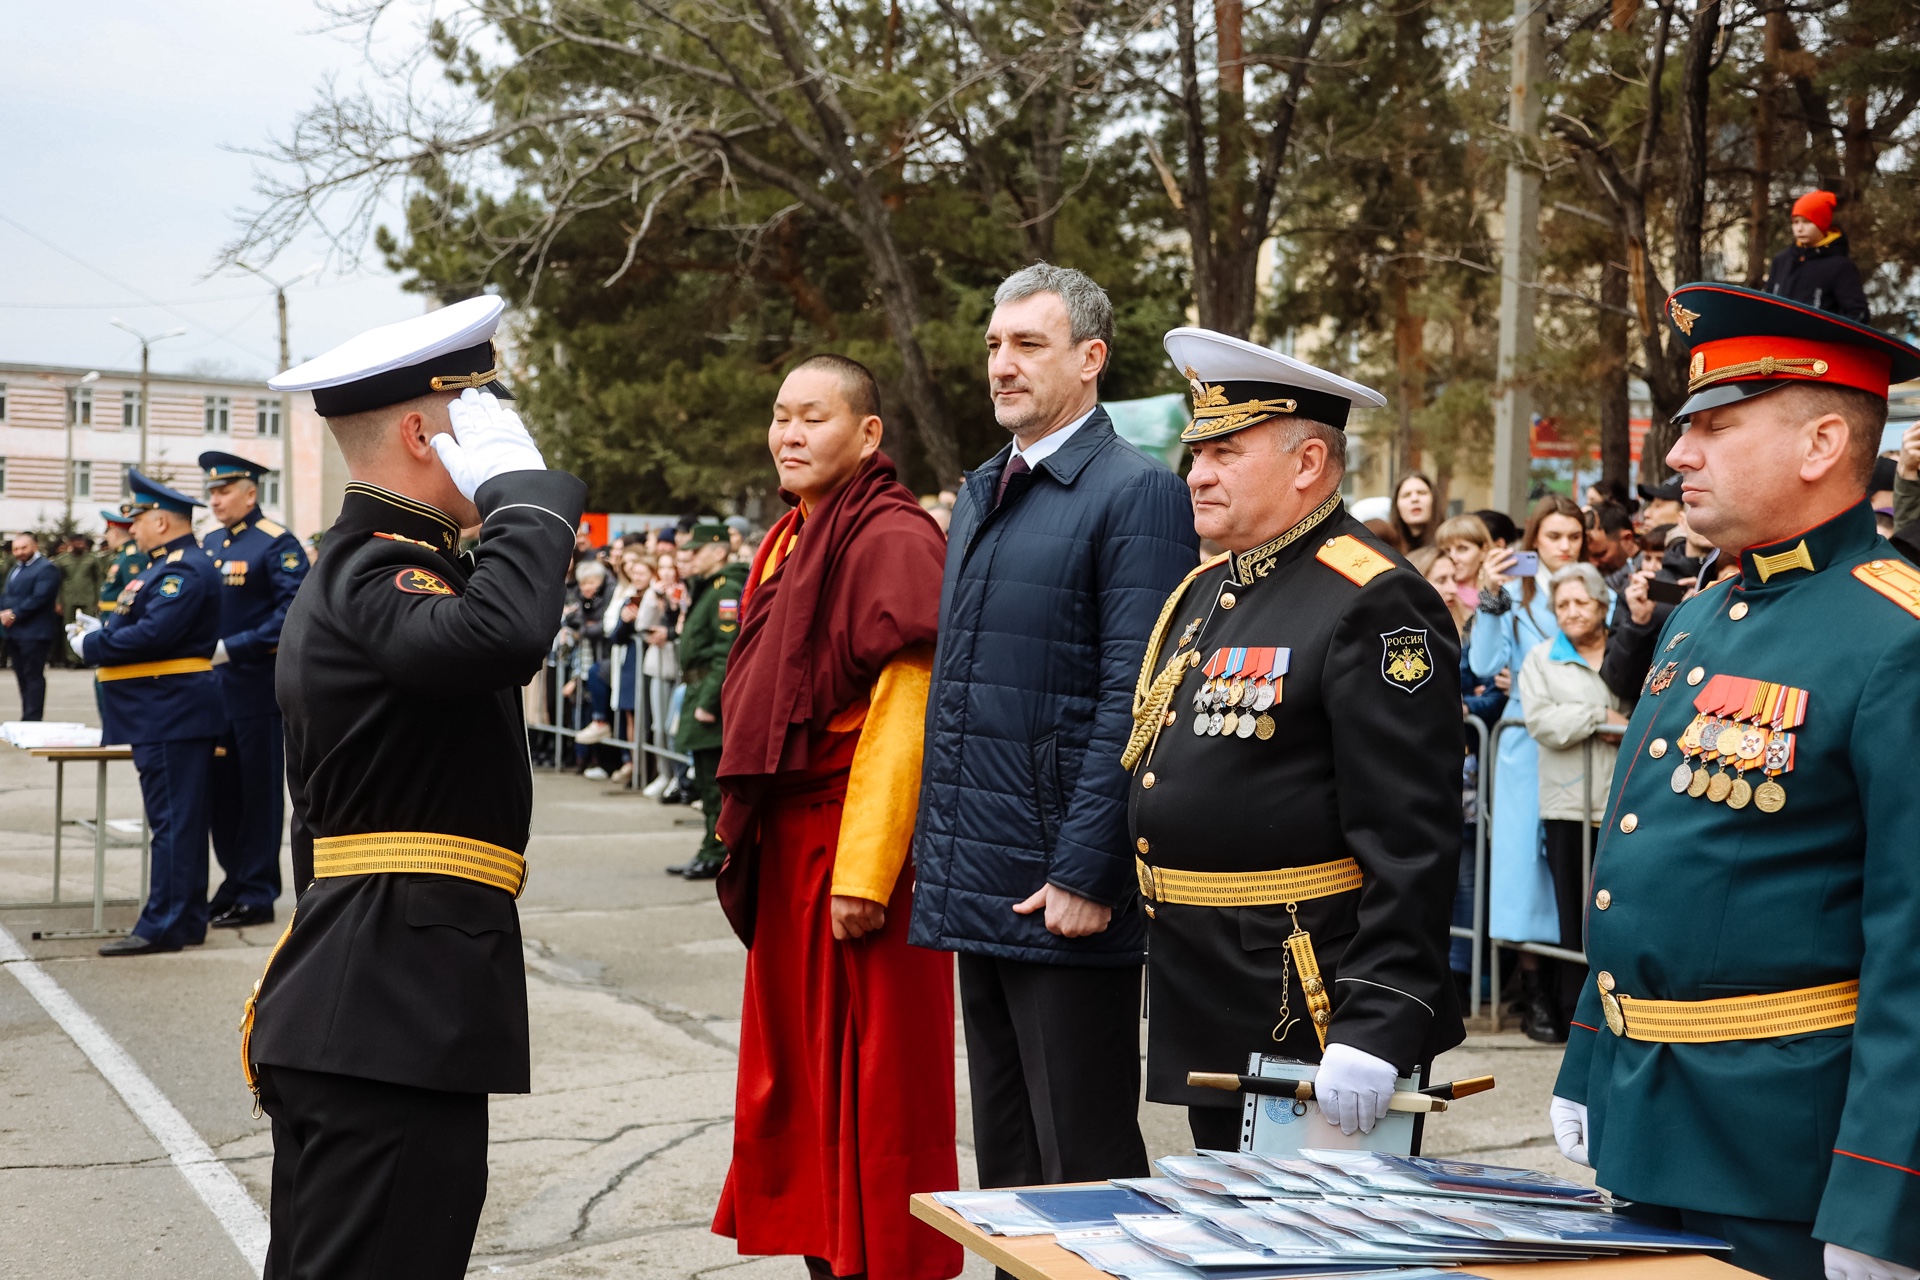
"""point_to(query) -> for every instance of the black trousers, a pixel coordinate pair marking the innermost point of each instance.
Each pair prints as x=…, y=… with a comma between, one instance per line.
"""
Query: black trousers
x=372, y=1181
x=1561, y=980
x=30, y=673
x=1053, y=1055
x=1215, y=1128
x=249, y=812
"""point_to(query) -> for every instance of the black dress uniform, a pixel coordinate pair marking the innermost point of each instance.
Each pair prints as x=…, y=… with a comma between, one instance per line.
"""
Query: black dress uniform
x=261, y=566
x=1295, y=804
x=157, y=693
x=396, y=1001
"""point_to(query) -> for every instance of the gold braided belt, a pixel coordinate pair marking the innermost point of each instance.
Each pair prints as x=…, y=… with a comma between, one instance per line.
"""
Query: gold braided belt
x=165, y=667
x=1781, y=1013
x=419, y=852
x=1288, y=888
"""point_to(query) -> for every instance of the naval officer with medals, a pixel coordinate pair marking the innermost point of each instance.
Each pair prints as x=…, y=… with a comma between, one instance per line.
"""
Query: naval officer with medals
x=396, y=1001
x=1742, y=1061
x=1295, y=804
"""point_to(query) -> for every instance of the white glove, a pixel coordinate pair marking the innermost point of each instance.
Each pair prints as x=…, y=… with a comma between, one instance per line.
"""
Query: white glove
x=488, y=440
x=1845, y=1264
x=80, y=628
x=1570, y=1129
x=1353, y=1088
x=220, y=652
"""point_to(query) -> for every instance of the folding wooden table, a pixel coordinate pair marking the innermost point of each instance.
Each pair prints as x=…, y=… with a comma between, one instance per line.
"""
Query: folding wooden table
x=1039, y=1258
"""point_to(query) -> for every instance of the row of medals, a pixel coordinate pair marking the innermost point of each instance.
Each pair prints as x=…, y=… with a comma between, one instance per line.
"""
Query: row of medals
x=1749, y=747
x=1235, y=708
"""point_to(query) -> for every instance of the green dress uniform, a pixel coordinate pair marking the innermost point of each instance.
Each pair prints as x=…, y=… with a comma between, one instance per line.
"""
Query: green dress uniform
x=123, y=567
x=1748, y=1043
x=713, y=620
x=1295, y=803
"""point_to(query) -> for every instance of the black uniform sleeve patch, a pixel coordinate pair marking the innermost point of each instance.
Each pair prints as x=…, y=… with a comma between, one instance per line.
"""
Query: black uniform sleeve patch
x=1405, y=661
x=419, y=582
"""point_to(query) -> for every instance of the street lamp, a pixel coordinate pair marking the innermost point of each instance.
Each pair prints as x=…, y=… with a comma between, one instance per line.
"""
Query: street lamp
x=145, y=342
x=280, y=288
x=73, y=412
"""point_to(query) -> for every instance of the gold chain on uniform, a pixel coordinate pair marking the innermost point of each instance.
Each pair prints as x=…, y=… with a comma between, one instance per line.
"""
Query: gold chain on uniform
x=1151, y=695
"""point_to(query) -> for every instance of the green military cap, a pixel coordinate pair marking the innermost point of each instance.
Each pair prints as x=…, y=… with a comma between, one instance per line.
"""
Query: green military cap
x=706, y=532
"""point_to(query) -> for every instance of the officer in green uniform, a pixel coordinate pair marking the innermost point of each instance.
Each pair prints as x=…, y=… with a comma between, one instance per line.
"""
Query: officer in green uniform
x=124, y=561
x=1743, y=1061
x=80, y=581
x=713, y=620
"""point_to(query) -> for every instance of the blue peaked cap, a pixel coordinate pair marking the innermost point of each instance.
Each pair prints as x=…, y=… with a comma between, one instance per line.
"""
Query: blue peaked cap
x=151, y=493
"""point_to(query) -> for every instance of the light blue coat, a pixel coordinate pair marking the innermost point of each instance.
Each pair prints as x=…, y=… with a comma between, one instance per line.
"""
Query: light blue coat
x=1520, y=904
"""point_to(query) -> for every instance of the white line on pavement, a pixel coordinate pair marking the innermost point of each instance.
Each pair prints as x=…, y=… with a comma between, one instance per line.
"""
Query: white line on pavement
x=211, y=1180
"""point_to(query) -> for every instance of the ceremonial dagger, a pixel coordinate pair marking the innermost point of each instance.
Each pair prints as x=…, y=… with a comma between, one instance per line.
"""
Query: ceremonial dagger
x=1432, y=1098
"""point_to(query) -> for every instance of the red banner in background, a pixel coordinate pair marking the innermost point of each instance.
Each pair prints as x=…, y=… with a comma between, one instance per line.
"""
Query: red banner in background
x=1547, y=442
x=596, y=522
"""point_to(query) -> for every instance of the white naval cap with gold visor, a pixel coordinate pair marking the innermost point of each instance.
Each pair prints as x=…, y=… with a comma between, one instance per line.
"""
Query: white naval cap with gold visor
x=1239, y=384
x=449, y=349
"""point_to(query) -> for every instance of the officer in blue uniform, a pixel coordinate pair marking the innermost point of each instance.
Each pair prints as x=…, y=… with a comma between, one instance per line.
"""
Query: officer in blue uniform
x=261, y=567
x=154, y=657
x=1742, y=1061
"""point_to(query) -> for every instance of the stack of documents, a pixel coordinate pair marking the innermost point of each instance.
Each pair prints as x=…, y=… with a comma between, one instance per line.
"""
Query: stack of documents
x=30, y=735
x=1317, y=1212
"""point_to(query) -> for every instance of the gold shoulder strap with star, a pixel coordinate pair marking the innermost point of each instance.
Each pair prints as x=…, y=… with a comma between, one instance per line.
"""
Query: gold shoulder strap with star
x=1151, y=695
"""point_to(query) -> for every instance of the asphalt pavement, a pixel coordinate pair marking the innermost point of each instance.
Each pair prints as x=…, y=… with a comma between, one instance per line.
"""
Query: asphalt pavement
x=611, y=1167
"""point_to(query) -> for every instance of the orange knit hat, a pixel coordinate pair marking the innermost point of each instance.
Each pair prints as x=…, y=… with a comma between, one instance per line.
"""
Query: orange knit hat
x=1817, y=207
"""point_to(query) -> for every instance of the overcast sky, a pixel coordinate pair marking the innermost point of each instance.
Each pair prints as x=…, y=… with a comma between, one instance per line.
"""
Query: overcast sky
x=114, y=119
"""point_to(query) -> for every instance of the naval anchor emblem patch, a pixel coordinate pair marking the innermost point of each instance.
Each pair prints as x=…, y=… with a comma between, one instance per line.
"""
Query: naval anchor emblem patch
x=419, y=582
x=1404, y=659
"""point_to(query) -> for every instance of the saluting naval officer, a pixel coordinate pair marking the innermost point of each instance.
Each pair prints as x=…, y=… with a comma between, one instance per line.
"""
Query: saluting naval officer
x=1295, y=803
x=397, y=1000
x=261, y=566
x=1742, y=1061
x=154, y=656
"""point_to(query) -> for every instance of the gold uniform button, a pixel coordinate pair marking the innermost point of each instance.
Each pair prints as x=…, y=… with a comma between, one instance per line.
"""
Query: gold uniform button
x=1603, y=899
x=1605, y=980
x=1171, y=717
x=1141, y=844
x=1147, y=782
x=1629, y=823
x=1696, y=675
x=1658, y=749
x=1738, y=611
x=1226, y=600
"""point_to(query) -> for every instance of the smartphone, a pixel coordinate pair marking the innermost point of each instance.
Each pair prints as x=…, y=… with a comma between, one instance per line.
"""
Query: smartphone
x=1525, y=564
x=1661, y=591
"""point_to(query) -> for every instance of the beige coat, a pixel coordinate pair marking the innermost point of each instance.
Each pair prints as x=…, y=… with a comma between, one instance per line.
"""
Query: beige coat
x=1565, y=702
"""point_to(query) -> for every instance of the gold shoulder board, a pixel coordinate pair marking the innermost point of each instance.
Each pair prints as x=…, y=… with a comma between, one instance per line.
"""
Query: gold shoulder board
x=271, y=528
x=1897, y=580
x=1353, y=559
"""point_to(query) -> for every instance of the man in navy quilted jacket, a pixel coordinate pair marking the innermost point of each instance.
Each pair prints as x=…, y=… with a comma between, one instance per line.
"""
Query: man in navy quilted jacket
x=1063, y=547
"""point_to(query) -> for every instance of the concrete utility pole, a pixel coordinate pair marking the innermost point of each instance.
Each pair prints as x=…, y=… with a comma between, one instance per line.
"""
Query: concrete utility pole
x=145, y=342
x=1513, y=411
x=286, y=362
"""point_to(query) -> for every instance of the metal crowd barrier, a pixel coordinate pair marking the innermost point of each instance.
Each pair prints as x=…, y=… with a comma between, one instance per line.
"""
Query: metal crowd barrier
x=1482, y=889
x=647, y=745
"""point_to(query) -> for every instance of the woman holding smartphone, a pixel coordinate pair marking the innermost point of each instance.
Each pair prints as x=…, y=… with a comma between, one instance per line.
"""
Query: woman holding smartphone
x=1515, y=615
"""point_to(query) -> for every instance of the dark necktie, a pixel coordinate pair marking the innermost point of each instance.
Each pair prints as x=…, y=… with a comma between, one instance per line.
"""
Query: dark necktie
x=1016, y=466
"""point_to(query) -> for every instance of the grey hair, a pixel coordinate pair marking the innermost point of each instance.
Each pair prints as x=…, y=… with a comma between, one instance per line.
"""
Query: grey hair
x=1088, y=309
x=589, y=569
x=1295, y=432
x=1584, y=574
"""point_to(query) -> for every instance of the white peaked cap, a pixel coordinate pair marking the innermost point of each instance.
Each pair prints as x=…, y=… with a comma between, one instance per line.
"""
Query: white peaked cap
x=446, y=349
x=1220, y=367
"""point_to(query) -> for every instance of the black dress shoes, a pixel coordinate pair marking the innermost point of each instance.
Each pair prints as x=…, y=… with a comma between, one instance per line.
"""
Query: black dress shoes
x=134, y=945
x=239, y=917
x=702, y=868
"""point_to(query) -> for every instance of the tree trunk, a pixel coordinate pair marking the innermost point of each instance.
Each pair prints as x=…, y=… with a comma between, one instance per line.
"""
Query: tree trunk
x=1410, y=370
x=1196, y=186
x=1616, y=432
x=1760, y=200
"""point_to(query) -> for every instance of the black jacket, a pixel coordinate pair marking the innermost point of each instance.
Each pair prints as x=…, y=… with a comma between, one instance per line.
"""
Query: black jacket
x=1044, y=611
x=1823, y=276
x=401, y=665
x=1360, y=759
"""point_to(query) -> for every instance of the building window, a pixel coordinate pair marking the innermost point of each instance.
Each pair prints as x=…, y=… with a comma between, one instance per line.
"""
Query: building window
x=82, y=479
x=267, y=417
x=269, y=488
x=80, y=407
x=3, y=402
x=126, y=483
x=219, y=415
x=3, y=475
x=129, y=408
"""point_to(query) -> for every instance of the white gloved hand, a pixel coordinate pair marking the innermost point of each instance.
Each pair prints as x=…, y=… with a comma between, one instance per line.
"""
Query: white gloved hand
x=1570, y=1129
x=1846, y=1264
x=488, y=440
x=220, y=654
x=80, y=628
x=1353, y=1088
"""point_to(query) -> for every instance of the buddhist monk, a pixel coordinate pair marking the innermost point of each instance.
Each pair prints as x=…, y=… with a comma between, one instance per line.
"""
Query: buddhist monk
x=845, y=1099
